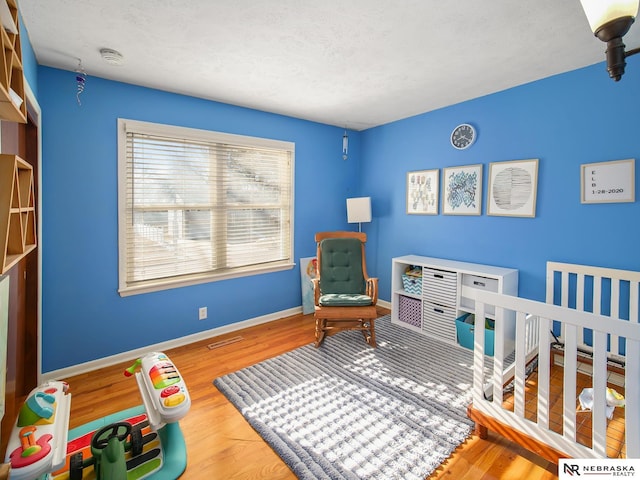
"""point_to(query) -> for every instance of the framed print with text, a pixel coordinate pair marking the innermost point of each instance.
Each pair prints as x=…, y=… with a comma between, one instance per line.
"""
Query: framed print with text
x=513, y=188
x=608, y=182
x=422, y=192
x=462, y=190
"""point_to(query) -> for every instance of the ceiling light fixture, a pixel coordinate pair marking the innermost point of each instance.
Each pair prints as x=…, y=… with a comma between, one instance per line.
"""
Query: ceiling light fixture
x=111, y=56
x=610, y=20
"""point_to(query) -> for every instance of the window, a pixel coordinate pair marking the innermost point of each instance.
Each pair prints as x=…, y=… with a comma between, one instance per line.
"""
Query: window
x=196, y=206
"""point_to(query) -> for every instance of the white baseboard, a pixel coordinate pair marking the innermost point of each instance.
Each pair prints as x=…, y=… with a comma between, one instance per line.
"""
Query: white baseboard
x=132, y=355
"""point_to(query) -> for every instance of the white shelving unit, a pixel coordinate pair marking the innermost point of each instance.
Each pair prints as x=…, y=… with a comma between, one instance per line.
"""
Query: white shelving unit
x=433, y=311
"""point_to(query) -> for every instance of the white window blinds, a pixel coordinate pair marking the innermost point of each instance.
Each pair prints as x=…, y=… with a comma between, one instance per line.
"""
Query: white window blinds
x=198, y=206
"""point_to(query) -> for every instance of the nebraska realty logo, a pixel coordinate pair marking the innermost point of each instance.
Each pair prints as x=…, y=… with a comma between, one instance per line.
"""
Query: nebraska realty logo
x=592, y=469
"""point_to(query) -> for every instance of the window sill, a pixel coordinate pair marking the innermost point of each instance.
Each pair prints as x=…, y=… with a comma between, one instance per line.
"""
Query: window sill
x=157, y=286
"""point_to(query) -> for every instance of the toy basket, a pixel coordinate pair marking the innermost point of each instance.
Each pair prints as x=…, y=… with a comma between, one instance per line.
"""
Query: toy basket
x=464, y=329
x=409, y=311
x=412, y=284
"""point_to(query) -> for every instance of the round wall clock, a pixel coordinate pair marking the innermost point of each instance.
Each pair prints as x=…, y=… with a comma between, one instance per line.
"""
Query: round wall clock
x=463, y=136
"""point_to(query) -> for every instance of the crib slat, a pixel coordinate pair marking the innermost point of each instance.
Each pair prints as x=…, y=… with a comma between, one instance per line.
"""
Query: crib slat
x=520, y=376
x=478, y=357
x=597, y=300
x=579, y=301
x=615, y=313
x=564, y=296
x=634, y=296
x=615, y=298
x=498, y=356
x=569, y=388
x=597, y=295
x=633, y=302
x=579, y=292
x=533, y=335
x=632, y=399
x=544, y=366
x=551, y=272
x=599, y=420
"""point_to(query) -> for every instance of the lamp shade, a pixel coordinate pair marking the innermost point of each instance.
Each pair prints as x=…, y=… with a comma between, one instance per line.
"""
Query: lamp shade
x=359, y=210
x=600, y=12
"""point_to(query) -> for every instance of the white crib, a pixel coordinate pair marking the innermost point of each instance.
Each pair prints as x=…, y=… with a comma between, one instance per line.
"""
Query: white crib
x=590, y=348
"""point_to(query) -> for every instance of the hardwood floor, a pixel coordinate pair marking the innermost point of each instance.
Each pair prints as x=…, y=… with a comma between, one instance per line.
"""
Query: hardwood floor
x=221, y=444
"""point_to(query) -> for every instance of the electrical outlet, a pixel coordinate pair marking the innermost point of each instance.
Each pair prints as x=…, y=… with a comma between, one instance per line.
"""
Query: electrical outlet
x=202, y=313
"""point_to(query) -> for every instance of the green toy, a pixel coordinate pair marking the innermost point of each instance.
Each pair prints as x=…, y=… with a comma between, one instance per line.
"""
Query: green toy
x=108, y=447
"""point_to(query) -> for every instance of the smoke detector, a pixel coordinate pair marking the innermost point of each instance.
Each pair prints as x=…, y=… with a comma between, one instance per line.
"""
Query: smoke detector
x=112, y=57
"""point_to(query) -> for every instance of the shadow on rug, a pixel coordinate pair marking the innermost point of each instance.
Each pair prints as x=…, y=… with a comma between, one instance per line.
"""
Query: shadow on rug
x=348, y=411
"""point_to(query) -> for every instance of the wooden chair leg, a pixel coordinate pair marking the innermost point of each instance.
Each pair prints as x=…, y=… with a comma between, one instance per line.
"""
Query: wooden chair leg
x=321, y=333
x=372, y=330
x=366, y=326
x=369, y=333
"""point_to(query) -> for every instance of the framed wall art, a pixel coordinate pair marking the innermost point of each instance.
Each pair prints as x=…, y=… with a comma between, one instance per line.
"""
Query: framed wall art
x=608, y=182
x=462, y=190
x=422, y=192
x=513, y=188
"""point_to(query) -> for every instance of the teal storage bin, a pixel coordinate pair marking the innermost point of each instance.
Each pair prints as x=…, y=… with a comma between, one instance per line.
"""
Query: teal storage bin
x=465, y=330
x=412, y=284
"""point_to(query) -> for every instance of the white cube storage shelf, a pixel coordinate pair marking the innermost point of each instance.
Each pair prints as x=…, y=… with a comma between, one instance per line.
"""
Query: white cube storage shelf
x=441, y=297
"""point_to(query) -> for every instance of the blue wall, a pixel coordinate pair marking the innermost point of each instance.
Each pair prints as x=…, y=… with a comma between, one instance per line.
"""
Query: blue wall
x=564, y=121
x=83, y=316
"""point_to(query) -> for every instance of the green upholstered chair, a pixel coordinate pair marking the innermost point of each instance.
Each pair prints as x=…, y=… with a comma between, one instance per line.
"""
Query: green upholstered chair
x=345, y=296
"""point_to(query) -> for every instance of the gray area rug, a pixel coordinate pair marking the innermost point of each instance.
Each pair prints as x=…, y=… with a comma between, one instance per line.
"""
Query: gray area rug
x=348, y=411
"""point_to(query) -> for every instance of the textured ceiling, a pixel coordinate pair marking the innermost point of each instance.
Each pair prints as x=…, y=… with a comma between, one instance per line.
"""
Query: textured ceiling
x=354, y=63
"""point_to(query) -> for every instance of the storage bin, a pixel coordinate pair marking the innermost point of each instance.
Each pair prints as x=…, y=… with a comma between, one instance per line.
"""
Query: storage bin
x=439, y=321
x=441, y=286
x=465, y=330
x=410, y=311
x=481, y=283
x=412, y=284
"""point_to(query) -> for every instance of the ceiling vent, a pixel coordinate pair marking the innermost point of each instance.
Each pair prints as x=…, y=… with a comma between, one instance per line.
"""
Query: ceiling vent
x=112, y=57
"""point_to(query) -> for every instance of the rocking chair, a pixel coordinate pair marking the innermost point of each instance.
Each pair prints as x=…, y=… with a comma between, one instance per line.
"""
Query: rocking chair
x=345, y=296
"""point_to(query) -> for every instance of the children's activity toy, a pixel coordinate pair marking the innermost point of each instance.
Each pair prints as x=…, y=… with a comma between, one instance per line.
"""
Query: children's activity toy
x=39, y=439
x=141, y=442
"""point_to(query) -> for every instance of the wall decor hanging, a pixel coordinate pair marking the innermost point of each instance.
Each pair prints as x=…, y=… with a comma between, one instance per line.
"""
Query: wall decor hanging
x=608, y=182
x=462, y=190
x=81, y=80
x=512, y=188
x=422, y=192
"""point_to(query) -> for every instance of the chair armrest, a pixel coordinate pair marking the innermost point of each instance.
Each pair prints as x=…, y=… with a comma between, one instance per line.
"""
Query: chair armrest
x=316, y=290
x=372, y=289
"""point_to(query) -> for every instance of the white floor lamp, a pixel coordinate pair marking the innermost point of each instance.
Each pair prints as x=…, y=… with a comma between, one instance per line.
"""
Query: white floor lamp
x=359, y=211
